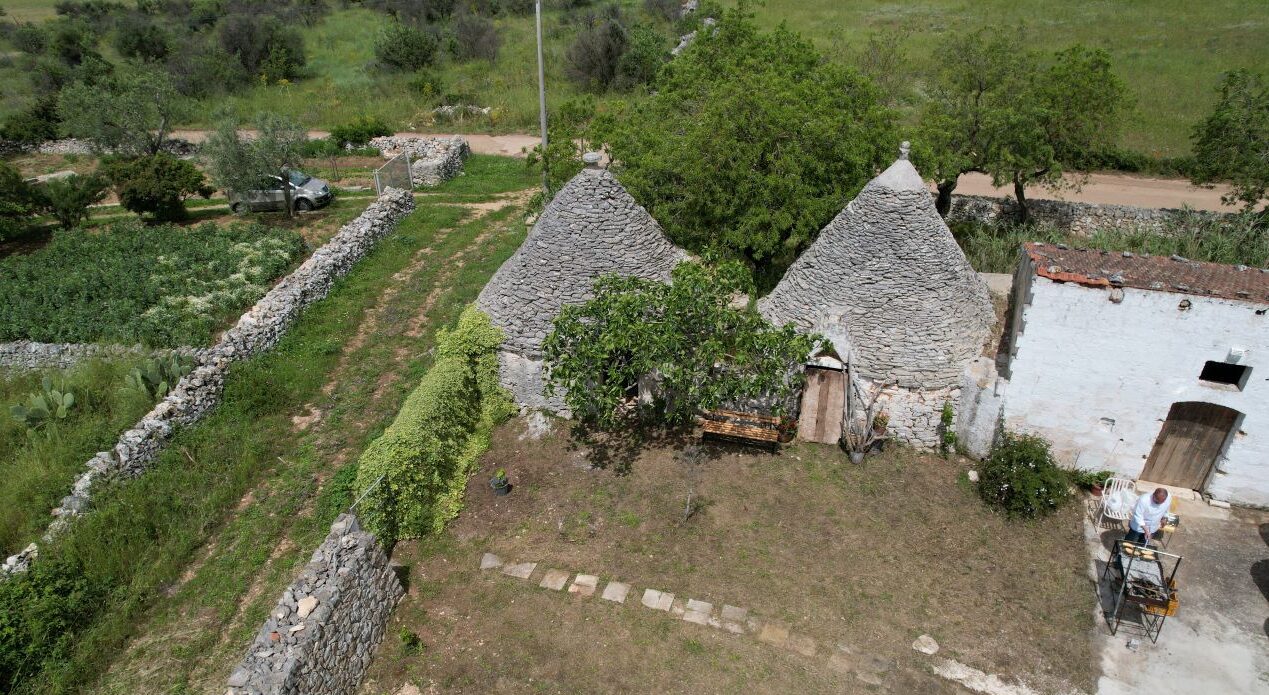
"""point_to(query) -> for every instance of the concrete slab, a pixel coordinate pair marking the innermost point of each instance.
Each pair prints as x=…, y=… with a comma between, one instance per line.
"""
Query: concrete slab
x=584, y=585
x=616, y=592
x=1216, y=643
x=520, y=571
x=699, y=612
x=554, y=580
x=489, y=561
x=657, y=600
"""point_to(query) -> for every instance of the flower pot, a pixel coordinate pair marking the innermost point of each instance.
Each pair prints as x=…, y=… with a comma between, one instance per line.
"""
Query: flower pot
x=856, y=457
x=1097, y=491
x=500, y=486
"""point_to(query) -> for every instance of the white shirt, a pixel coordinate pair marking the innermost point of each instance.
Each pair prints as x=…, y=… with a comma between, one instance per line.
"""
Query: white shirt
x=1148, y=514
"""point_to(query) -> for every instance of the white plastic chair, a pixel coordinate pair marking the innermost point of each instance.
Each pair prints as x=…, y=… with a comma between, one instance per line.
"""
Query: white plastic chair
x=1119, y=496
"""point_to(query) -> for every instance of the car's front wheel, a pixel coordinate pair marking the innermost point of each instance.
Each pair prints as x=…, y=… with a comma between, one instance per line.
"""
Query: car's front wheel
x=303, y=205
x=237, y=208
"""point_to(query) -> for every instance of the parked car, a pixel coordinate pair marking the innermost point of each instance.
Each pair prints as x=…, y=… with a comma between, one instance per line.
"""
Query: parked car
x=307, y=193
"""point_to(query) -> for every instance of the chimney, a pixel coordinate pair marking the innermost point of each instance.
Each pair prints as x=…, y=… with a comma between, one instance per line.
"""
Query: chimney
x=592, y=159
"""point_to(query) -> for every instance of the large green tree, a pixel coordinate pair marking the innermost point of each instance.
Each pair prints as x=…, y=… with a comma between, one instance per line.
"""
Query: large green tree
x=131, y=113
x=751, y=142
x=1021, y=117
x=1233, y=143
x=238, y=162
x=704, y=351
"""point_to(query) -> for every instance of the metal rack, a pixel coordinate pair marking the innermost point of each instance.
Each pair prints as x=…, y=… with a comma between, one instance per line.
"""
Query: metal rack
x=1139, y=575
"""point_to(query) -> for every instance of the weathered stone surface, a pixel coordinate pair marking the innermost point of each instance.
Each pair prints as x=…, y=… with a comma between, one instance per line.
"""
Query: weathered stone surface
x=698, y=612
x=584, y=585
x=1080, y=219
x=321, y=644
x=432, y=160
x=926, y=645
x=801, y=644
x=735, y=614
x=520, y=571
x=489, y=561
x=26, y=354
x=774, y=634
x=657, y=600
x=554, y=580
x=257, y=330
x=616, y=592
x=592, y=227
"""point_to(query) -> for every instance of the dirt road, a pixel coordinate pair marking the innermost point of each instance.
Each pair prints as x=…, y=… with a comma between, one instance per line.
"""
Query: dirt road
x=1101, y=188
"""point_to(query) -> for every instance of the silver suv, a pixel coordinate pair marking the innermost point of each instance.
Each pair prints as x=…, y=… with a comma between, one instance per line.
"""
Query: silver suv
x=307, y=193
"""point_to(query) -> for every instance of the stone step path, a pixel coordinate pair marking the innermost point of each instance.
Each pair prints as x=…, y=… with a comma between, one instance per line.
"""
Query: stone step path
x=735, y=620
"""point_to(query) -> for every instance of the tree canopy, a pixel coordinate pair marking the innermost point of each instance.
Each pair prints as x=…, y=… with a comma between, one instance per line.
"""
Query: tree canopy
x=750, y=143
x=130, y=113
x=1233, y=143
x=1016, y=115
x=238, y=163
x=704, y=351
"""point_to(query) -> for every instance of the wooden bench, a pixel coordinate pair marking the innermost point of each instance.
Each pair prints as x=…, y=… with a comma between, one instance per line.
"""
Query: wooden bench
x=748, y=428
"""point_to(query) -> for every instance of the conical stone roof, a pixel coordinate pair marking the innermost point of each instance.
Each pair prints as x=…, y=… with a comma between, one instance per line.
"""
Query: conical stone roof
x=592, y=227
x=889, y=270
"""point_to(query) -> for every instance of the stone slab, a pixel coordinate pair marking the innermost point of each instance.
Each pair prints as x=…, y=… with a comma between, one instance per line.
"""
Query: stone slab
x=926, y=645
x=774, y=634
x=734, y=614
x=801, y=644
x=657, y=600
x=489, y=561
x=698, y=612
x=520, y=571
x=616, y=592
x=584, y=585
x=554, y=580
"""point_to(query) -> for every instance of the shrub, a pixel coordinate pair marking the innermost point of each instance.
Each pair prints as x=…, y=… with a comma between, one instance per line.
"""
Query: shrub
x=163, y=286
x=18, y=202
x=68, y=199
x=665, y=9
x=157, y=185
x=265, y=46
x=201, y=69
x=139, y=36
x=415, y=12
x=37, y=123
x=72, y=41
x=592, y=58
x=359, y=132
x=29, y=39
x=646, y=51
x=41, y=613
x=425, y=455
x=405, y=48
x=475, y=37
x=1022, y=479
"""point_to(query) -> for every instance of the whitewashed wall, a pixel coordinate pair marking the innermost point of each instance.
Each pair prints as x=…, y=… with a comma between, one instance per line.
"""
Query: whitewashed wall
x=1097, y=378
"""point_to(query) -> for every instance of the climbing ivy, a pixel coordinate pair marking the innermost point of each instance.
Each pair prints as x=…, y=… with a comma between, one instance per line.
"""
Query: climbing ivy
x=701, y=346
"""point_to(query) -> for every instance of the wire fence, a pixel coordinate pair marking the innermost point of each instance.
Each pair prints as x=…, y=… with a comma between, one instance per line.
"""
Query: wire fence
x=395, y=173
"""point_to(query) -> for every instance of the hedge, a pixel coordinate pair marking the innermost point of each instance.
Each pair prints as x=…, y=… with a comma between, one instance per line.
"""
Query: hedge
x=426, y=454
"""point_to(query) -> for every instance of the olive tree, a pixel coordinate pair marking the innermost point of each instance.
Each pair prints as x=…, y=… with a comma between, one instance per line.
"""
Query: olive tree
x=751, y=143
x=1232, y=144
x=238, y=163
x=130, y=113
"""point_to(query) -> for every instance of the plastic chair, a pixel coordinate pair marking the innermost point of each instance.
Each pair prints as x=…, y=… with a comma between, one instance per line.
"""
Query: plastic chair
x=1119, y=496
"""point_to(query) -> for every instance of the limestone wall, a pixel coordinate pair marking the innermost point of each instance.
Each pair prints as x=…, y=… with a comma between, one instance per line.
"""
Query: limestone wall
x=914, y=413
x=26, y=354
x=432, y=160
x=979, y=408
x=320, y=637
x=256, y=331
x=1081, y=219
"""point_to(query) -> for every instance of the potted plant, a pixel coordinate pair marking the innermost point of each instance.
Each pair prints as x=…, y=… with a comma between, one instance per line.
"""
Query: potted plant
x=859, y=435
x=879, y=423
x=499, y=483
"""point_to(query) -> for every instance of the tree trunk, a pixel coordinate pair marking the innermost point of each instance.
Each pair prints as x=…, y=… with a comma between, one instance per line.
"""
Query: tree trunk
x=286, y=192
x=944, y=201
x=1020, y=193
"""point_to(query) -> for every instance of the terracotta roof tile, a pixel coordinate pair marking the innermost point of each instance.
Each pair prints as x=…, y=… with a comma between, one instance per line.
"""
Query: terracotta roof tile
x=1124, y=269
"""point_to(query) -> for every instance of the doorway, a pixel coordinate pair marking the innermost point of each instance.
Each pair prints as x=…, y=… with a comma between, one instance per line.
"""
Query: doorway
x=823, y=404
x=1193, y=437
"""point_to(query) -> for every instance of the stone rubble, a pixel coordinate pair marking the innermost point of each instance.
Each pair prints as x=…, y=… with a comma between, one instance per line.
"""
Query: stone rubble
x=256, y=331
x=432, y=160
x=321, y=636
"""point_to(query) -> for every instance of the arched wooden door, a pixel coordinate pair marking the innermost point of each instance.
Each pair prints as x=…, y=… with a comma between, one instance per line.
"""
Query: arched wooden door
x=823, y=404
x=1193, y=437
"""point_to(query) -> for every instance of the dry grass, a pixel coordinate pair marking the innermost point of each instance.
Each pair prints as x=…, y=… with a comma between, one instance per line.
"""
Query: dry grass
x=869, y=557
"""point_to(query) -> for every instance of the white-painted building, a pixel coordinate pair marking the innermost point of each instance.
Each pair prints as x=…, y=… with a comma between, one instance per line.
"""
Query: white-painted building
x=1156, y=368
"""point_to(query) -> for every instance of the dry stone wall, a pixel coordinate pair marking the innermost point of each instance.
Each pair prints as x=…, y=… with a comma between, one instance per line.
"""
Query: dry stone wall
x=1080, y=219
x=26, y=354
x=320, y=638
x=256, y=331
x=432, y=160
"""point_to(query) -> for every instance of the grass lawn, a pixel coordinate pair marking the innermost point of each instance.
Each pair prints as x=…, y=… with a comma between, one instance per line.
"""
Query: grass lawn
x=863, y=557
x=246, y=492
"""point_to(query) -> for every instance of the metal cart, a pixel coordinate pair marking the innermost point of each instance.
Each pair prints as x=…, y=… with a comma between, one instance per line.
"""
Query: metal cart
x=1145, y=578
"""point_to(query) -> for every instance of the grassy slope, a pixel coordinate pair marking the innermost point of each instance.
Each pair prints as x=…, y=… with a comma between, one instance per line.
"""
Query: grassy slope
x=1170, y=52
x=241, y=505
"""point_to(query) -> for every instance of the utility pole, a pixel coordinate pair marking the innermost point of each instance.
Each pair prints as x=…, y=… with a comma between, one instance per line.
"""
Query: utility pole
x=546, y=188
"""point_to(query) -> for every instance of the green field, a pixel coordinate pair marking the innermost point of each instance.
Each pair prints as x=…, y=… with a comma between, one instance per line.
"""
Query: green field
x=1171, y=54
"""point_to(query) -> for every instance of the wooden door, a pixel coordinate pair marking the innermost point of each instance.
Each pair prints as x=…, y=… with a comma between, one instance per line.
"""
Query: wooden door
x=1192, y=438
x=823, y=404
